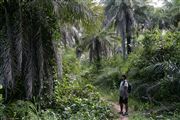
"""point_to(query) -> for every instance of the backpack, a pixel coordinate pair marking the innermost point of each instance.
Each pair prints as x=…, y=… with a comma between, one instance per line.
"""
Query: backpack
x=129, y=87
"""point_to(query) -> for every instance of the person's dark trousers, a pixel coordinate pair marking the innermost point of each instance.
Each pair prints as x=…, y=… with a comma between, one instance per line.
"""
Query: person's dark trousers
x=125, y=102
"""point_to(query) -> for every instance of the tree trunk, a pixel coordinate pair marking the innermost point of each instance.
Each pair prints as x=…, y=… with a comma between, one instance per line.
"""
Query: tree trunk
x=40, y=59
x=28, y=56
x=123, y=35
x=97, y=49
x=29, y=74
x=58, y=60
x=19, y=40
x=8, y=60
x=129, y=50
x=91, y=54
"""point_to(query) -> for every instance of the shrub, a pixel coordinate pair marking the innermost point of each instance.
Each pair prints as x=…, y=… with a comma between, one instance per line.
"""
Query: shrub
x=23, y=110
x=73, y=99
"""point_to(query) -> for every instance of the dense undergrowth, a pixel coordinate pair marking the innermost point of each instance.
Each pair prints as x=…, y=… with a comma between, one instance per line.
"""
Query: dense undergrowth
x=75, y=98
x=153, y=69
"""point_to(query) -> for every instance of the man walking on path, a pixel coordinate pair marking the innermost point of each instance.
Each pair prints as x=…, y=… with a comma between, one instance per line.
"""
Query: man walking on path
x=123, y=99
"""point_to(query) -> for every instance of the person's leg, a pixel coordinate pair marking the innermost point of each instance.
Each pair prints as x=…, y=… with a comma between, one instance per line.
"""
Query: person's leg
x=121, y=107
x=121, y=104
x=126, y=106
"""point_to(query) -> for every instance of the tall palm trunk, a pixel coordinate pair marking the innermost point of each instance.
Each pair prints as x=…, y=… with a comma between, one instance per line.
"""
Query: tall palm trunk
x=23, y=56
x=97, y=49
x=129, y=30
x=29, y=74
x=129, y=36
x=123, y=17
x=19, y=40
x=123, y=36
x=58, y=60
x=8, y=59
x=129, y=50
x=40, y=65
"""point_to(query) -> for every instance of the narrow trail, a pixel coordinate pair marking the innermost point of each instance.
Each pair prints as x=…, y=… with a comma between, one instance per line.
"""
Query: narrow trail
x=117, y=109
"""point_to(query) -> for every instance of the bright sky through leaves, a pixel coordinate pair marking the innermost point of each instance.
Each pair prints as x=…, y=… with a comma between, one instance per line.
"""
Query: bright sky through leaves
x=157, y=3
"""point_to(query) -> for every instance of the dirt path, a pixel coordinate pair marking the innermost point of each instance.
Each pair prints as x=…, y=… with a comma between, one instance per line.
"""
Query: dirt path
x=117, y=109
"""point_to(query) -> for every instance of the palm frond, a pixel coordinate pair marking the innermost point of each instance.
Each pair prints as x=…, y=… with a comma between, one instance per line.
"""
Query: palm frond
x=72, y=10
x=70, y=35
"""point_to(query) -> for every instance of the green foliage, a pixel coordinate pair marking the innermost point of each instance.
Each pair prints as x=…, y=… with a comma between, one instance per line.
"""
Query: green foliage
x=152, y=68
x=108, y=75
x=113, y=68
x=158, y=62
x=27, y=38
x=70, y=63
x=20, y=110
x=156, y=48
x=2, y=107
x=138, y=116
x=49, y=115
x=75, y=98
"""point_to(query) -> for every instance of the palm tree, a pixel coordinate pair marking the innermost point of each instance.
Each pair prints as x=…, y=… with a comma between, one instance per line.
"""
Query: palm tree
x=98, y=45
x=121, y=15
x=72, y=33
x=27, y=49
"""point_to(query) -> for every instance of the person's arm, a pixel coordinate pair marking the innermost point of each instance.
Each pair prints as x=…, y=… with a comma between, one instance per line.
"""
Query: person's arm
x=119, y=87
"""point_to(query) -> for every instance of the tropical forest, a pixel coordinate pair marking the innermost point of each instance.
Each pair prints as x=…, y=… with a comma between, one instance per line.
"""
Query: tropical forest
x=89, y=59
